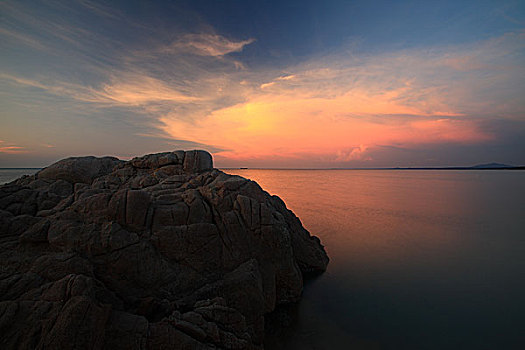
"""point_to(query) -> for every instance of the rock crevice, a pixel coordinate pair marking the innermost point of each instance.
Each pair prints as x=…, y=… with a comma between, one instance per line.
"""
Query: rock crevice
x=162, y=249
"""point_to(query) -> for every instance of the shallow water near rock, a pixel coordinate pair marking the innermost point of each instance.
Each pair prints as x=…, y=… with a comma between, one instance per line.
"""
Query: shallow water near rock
x=419, y=259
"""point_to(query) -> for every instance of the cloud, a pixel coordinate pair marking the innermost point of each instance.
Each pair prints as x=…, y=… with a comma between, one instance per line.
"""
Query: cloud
x=286, y=77
x=327, y=127
x=10, y=148
x=207, y=45
x=101, y=10
x=277, y=80
x=336, y=108
x=21, y=38
x=341, y=107
x=267, y=85
x=126, y=90
x=138, y=90
x=353, y=153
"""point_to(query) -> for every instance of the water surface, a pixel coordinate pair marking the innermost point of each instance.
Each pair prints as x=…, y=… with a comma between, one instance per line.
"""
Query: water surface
x=419, y=259
x=10, y=174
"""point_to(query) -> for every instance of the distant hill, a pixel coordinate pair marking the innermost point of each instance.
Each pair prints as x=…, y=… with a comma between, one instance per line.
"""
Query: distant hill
x=492, y=166
x=488, y=166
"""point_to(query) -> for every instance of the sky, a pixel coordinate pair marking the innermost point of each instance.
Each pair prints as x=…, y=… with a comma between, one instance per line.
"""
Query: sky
x=268, y=84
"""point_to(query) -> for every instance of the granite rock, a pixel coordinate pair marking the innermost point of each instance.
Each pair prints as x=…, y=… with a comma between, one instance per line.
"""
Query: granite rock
x=160, y=250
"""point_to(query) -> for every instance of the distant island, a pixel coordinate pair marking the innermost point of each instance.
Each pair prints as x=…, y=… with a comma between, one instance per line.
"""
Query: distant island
x=487, y=166
x=493, y=166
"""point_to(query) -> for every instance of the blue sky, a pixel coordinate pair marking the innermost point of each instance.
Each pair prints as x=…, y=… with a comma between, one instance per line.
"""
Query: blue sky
x=266, y=83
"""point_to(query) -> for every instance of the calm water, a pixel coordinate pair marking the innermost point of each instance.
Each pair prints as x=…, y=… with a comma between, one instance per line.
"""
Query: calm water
x=419, y=259
x=10, y=174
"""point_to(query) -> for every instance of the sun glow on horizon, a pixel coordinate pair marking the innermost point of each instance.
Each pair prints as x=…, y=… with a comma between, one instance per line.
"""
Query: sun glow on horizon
x=301, y=124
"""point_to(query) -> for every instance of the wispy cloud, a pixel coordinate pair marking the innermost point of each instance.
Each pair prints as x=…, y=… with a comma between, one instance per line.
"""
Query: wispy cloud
x=101, y=9
x=286, y=77
x=139, y=90
x=9, y=148
x=21, y=38
x=129, y=90
x=350, y=154
x=267, y=85
x=207, y=45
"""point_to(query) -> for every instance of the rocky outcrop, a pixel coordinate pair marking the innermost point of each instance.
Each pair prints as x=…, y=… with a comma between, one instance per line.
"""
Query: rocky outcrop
x=162, y=251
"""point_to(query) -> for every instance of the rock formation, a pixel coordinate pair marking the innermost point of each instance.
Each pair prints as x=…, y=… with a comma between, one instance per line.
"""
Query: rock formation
x=159, y=252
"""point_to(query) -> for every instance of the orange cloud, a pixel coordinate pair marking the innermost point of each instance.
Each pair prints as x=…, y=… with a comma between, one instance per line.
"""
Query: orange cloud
x=350, y=154
x=10, y=149
x=139, y=90
x=343, y=126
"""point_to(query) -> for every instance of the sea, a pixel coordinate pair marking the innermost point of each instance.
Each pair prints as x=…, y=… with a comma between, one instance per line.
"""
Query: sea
x=10, y=174
x=419, y=259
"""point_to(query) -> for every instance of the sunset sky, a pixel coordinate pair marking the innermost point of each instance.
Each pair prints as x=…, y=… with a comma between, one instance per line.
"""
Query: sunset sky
x=287, y=84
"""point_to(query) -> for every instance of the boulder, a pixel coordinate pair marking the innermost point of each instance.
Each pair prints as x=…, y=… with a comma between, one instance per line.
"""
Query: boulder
x=160, y=251
x=79, y=169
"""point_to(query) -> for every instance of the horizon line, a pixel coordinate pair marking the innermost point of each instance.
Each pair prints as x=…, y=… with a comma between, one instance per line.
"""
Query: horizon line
x=491, y=165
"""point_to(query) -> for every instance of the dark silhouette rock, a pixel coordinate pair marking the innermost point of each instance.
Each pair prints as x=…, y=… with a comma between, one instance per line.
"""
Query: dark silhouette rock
x=79, y=169
x=160, y=251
